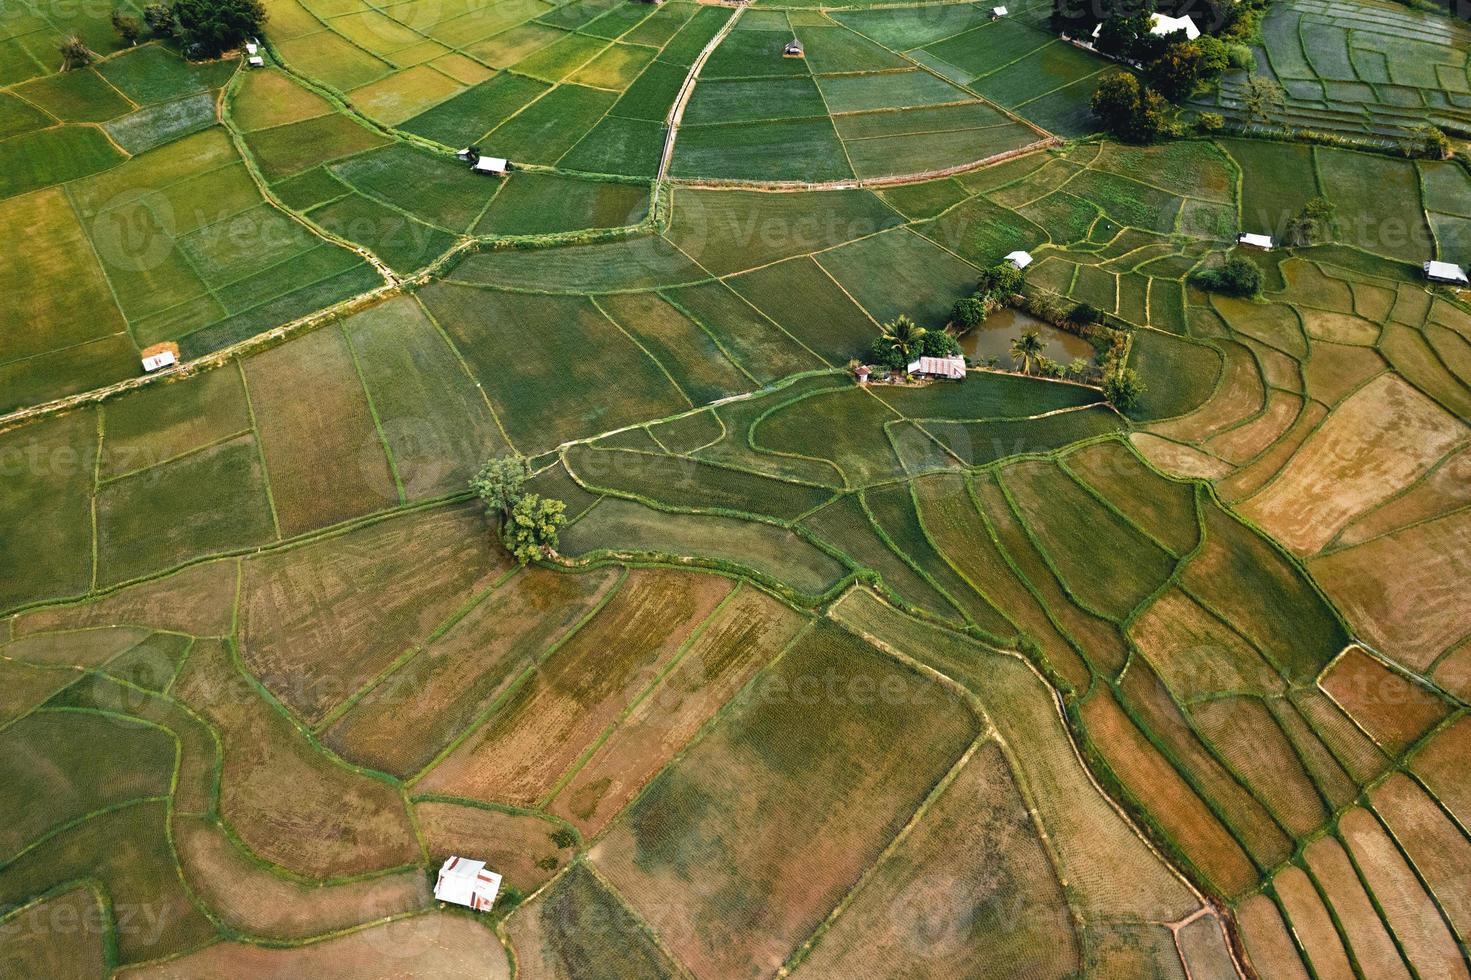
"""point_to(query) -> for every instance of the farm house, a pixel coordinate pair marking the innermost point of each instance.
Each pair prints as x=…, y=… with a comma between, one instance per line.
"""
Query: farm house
x=1446, y=272
x=793, y=49
x=467, y=883
x=1263, y=242
x=949, y=368
x=1019, y=260
x=160, y=356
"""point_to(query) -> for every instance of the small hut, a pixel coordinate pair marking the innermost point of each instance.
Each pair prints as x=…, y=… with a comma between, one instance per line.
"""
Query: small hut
x=160, y=356
x=998, y=12
x=465, y=882
x=1019, y=260
x=794, y=49
x=1263, y=242
x=1446, y=272
x=862, y=372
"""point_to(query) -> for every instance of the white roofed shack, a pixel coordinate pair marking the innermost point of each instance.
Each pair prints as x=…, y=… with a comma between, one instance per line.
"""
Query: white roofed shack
x=939, y=367
x=1019, y=260
x=465, y=882
x=1445, y=272
x=1255, y=241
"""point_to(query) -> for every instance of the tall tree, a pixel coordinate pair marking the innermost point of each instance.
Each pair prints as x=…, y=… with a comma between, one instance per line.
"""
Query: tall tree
x=211, y=27
x=500, y=483
x=904, y=335
x=1026, y=350
x=534, y=527
x=1263, y=99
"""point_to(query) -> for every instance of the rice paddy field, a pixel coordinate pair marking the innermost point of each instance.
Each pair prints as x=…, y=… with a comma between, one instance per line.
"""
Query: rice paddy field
x=984, y=678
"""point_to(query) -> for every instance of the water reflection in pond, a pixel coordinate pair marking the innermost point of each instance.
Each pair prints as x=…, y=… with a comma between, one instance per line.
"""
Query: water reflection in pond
x=993, y=339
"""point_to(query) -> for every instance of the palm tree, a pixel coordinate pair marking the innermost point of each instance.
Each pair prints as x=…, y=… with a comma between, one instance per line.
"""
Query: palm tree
x=1026, y=350
x=904, y=336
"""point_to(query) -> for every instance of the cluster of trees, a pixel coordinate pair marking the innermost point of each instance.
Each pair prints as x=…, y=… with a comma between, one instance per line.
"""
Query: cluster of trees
x=902, y=340
x=205, y=28
x=1173, y=66
x=995, y=289
x=530, y=524
x=1237, y=276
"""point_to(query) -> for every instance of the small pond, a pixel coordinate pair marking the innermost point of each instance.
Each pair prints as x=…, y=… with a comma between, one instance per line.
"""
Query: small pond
x=993, y=339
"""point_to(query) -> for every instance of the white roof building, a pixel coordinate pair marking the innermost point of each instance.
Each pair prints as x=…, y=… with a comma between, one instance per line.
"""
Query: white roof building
x=159, y=361
x=998, y=12
x=1446, y=272
x=465, y=882
x=1160, y=24
x=256, y=62
x=251, y=47
x=1255, y=241
x=940, y=367
x=489, y=165
x=1019, y=259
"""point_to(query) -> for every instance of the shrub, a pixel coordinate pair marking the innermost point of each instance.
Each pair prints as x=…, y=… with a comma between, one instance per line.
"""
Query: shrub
x=127, y=26
x=1238, y=276
x=938, y=343
x=1085, y=314
x=1313, y=224
x=1210, y=122
x=1428, y=142
x=75, y=53
x=211, y=27
x=1240, y=58
x=1129, y=110
x=160, y=19
x=1123, y=388
x=534, y=527
x=968, y=313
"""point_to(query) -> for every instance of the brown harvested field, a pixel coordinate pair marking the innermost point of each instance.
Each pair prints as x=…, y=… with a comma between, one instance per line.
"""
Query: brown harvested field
x=1127, y=949
x=1145, y=698
x=1253, y=476
x=1239, y=395
x=1252, y=743
x=1197, y=654
x=1328, y=773
x=320, y=620
x=323, y=454
x=198, y=600
x=280, y=793
x=1274, y=324
x=1179, y=812
x=418, y=710
x=1361, y=758
x=1340, y=328
x=1368, y=940
x=1382, y=439
x=1427, y=943
x=1453, y=673
x=1442, y=490
x=1393, y=710
x=1178, y=459
x=1334, y=370
x=1436, y=847
x=551, y=719
x=1203, y=947
x=83, y=648
x=741, y=638
x=1268, y=944
x=1442, y=765
x=248, y=897
x=1096, y=847
x=1406, y=591
x=425, y=947
x=971, y=892
x=1244, y=443
x=741, y=848
x=511, y=843
x=1312, y=924
x=60, y=936
x=579, y=928
x=1164, y=509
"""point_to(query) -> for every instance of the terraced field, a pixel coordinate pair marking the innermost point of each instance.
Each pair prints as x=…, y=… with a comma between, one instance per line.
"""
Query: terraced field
x=987, y=678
